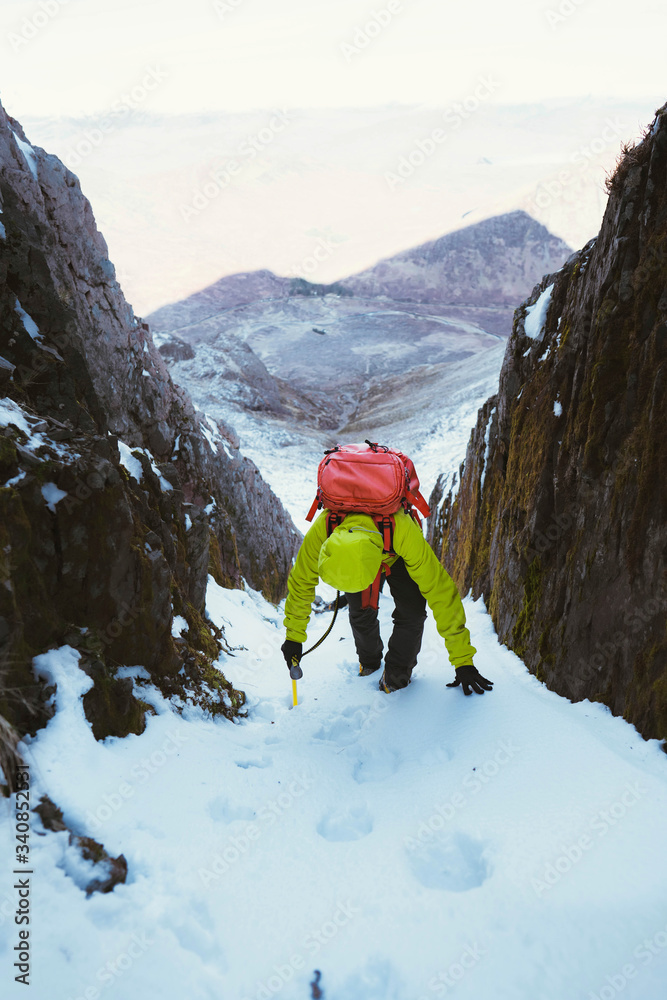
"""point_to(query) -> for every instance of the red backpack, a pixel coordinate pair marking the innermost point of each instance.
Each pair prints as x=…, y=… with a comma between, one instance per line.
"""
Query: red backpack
x=368, y=479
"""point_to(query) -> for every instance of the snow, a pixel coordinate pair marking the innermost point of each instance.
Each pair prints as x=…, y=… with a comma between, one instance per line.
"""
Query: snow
x=52, y=495
x=536, y=314
x=505, y=842
x=487, y=436
x=129, y=462
x=558, y=409
x=212, y=434
x=28, y=152
x=133, y=465
x=11, y=413
x=15, y=480
x=178, y=625
x=165, y=485
x=28, y=323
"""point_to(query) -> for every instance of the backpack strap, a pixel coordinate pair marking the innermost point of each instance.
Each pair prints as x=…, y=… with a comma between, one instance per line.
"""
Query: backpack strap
x=386, y=526
x=370, y=598
x=418, y=501
x=314, y=508
x=333, y=520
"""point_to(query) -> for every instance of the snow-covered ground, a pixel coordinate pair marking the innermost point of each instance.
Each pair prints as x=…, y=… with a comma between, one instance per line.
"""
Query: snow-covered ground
x=406, y=846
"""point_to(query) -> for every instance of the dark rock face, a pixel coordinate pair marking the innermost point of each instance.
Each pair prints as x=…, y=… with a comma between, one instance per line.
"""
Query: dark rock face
x=116, y=497
x=560, y=520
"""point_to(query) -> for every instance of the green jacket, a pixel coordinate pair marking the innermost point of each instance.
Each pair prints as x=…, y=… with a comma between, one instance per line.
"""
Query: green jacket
x=421, y=563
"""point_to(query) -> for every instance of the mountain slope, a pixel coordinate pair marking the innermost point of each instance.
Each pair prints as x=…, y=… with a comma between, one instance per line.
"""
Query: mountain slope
x=561, y=514
x=298, y=350
x=492, y=263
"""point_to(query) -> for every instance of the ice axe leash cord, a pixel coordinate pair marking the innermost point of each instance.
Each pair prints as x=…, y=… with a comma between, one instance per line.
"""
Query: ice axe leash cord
x=295, y=670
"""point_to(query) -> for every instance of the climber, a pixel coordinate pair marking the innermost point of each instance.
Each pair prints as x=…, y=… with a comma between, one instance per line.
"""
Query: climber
x=349, y=559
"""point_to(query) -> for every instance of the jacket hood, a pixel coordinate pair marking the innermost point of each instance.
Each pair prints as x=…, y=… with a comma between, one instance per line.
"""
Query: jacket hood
x=350, y=558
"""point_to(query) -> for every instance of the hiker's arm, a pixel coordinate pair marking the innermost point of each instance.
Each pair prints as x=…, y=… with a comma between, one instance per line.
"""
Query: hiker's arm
x=437, y=587
x=302, y=582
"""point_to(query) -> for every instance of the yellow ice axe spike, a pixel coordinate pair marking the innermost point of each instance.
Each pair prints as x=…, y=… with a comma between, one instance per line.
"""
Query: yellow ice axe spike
x=295, y=673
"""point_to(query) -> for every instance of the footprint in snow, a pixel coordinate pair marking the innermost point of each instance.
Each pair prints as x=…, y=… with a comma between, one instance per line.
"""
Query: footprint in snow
x=254, y=762
x=451, y=861
x=344, y=729
x=224, y=811
x=375, y=765
x=351, y=823
x=436, y=755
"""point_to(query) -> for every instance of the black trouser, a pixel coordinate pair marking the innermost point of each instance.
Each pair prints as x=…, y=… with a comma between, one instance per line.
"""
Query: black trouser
x=405, y=642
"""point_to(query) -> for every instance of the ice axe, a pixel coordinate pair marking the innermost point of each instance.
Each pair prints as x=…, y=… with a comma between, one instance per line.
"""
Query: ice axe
x=296, y=673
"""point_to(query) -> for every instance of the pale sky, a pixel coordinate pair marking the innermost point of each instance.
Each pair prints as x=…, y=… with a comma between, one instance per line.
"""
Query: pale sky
x=74, y=57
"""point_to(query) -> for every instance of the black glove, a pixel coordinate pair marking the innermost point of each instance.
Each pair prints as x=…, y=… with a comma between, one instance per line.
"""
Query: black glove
x=471, y=679
x=293, y=651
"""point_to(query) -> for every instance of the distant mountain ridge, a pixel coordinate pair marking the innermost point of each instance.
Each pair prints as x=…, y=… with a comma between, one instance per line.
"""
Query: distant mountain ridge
x=311, y=352
x=489, y=263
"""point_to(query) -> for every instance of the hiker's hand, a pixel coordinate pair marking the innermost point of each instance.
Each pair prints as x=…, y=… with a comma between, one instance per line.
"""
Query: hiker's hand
x=471, y=680
x=293, y=651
